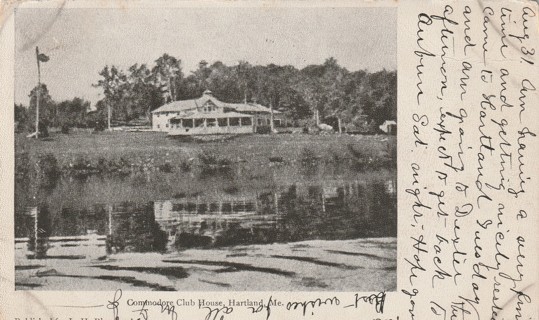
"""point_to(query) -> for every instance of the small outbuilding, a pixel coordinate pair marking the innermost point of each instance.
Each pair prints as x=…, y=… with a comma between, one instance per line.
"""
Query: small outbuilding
x=389, y=127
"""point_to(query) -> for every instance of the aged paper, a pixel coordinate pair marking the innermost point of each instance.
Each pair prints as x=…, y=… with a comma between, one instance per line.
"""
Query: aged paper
x=468, y=189
x=239, y=160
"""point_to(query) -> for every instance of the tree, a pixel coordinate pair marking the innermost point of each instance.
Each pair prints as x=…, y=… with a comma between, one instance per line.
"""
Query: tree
x=167, y=72
x=377, y=96
x=72, y=113
x=21, y=117
x=202, y=74
x=114, y=86
x=328, y=91
x=274, y=86
x=46, y=106
x=243, y=74
x=143, y=94
x=322, y=86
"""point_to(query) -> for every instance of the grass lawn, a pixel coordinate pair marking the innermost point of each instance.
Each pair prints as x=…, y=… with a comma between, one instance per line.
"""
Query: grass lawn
x=156, y=148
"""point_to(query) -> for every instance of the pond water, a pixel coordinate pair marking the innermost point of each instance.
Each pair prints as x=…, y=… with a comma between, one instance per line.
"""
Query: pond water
x=170, y=213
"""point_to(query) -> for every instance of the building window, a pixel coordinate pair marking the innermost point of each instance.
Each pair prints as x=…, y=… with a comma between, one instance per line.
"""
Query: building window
x=246, y=121
x=166, y=125
x=211, y=122
x=222, y=122
x=199, y=122
x=260, y=122
x=234, y=122
x=158, y=126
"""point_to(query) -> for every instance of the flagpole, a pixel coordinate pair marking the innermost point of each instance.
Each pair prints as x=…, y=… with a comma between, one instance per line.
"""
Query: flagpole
x=38, y=92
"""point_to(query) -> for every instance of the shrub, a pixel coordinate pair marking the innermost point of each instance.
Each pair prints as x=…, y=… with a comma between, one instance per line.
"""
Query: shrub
x=99, y=125
x=308, y=156
x=166, y=167
x=81, y=163
x=210, y=159
x=211, y=164
x=43, y=130
x=185, y=165
x=65, y=129
x=263, y=129
x=102, y=165
x=48, y=166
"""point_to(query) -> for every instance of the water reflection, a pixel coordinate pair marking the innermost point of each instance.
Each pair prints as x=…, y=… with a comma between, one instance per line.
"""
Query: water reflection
x=38, y=242
x=300, y=211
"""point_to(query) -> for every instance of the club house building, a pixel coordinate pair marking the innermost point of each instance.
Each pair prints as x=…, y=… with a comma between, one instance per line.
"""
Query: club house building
x=207, y=115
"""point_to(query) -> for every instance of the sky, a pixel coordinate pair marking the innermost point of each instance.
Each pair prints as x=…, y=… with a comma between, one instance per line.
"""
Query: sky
x=81, y=41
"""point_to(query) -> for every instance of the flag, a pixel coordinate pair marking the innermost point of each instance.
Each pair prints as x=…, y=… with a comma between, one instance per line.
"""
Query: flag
x=42, y=57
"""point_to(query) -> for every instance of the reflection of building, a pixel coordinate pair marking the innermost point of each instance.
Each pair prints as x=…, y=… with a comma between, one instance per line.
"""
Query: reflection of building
x=207, y=115
x=289, y=213
x=332, y=209
x=208, y=214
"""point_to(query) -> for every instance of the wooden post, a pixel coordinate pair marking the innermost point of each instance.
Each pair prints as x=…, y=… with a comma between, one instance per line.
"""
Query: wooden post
x=110, y=209
x=339, y=123
x=256, y=202
x=35, y=231
x=271, y=117
x=276, y=202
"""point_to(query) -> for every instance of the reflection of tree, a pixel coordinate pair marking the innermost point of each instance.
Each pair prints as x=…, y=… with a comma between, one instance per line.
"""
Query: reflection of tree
x=134, y=230
x=383, y=211
x=80, y=221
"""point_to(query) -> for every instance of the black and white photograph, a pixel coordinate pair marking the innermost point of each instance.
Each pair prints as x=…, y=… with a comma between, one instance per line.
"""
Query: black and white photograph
x=206, y=149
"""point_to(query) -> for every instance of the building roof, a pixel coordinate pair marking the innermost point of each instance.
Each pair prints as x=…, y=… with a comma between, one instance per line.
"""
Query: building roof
x=212, y=115
x=250, y=107
x=186, y=105
x=385, y=126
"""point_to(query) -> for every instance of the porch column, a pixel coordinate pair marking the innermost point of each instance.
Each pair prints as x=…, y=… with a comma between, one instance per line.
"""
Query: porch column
x=205, y=123
x=227, y=122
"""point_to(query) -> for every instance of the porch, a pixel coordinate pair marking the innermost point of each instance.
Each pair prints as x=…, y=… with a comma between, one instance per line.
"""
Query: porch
x=211, y=123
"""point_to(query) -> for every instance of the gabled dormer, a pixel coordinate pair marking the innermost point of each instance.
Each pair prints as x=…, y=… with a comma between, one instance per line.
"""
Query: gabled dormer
x=208, y=103
x=208, y=107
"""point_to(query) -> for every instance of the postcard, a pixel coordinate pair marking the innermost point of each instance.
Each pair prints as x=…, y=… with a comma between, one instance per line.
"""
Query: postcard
x=269, y=160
